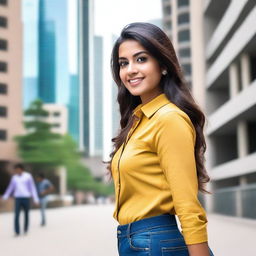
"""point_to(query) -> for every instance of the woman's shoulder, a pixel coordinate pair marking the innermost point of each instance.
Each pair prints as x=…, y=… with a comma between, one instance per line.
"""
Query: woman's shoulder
x=170, y=110
x=172, y=114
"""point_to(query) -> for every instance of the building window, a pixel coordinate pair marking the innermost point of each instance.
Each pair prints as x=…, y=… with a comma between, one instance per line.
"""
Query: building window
x=3, y=22
x=3, y=44
x=3, y=88
x=184, y=52
x=187, y=69
x=168, y=25
x=183, y=18
x=3, y=2
x=253, y=67
x=3, y=135
x=56, y=114
x=56, y=125
x=3, y=66
x=167, y=10
x=183, y=36
x=182, y=3
x=3, y=111
x=252, y=133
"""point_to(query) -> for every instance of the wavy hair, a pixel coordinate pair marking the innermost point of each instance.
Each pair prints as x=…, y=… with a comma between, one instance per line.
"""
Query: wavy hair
x=173, y=85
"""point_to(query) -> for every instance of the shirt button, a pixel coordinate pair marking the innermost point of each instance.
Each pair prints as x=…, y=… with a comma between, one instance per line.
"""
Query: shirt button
x=119, y=232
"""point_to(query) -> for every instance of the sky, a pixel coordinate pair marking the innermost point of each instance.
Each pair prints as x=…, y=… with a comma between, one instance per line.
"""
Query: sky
x=113, y=15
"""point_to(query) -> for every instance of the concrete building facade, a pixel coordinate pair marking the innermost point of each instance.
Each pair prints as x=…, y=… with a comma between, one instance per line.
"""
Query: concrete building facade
x=221, y=52
x=10, y=83
x=58, y=118
x=183, y=23
x=230, y=39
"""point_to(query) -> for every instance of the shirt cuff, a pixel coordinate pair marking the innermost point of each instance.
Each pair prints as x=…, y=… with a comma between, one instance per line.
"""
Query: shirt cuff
x=196, y=238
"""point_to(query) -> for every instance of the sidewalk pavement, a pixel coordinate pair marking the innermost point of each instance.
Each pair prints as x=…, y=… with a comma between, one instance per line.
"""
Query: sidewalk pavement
x=91, y=231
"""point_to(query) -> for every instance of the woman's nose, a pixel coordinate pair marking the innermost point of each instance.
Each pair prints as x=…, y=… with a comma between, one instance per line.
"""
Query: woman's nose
x=132, y=69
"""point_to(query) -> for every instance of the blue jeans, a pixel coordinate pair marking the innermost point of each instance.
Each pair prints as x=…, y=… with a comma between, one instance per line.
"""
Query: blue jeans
x=43, y=205
x=21, y=203
x=154, y=236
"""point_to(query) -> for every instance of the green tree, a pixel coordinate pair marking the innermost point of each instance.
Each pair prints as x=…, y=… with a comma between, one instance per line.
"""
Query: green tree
x=44, y=150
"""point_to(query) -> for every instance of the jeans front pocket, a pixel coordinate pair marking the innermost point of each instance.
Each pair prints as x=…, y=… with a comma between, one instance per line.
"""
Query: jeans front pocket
x=174, y=247
x=140, y=241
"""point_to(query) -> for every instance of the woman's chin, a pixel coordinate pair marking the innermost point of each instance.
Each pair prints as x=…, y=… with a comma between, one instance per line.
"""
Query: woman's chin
x=135, y=93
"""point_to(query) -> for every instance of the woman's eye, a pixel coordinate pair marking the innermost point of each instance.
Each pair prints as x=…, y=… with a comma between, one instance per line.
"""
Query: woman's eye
x=141, y=59
x=123, y=63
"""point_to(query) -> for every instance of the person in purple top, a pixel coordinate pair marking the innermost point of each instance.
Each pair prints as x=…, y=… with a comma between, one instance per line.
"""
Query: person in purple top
x=22, y=187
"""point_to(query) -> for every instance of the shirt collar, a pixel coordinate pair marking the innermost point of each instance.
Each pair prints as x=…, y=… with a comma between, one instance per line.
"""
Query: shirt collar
x=152, y=106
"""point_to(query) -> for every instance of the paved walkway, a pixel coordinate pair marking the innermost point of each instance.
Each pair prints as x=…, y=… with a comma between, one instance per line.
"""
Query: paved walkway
x=90, y=231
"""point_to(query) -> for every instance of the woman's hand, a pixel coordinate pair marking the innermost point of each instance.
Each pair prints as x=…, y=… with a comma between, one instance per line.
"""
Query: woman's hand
x=201, y=249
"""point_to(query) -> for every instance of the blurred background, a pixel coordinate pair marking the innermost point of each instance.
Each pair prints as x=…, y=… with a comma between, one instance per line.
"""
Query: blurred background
x=58, y=113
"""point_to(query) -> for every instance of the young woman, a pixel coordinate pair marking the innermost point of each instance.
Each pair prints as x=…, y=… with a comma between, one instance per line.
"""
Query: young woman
x=158, y=158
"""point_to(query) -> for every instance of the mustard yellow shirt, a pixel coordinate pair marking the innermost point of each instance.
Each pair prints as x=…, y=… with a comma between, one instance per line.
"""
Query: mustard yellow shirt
x=154, y=171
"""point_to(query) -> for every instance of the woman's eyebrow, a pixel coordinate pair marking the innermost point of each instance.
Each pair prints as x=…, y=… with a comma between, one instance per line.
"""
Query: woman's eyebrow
x=134, y=55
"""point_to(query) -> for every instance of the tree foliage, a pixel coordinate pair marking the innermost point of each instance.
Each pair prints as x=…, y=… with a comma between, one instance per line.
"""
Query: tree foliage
x=44, y=150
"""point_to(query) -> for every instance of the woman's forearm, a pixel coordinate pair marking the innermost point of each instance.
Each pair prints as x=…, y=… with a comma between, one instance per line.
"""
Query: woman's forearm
x=201, y=249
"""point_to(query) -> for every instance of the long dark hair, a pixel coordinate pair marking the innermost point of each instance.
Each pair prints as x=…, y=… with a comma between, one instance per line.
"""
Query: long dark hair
x=156, y=42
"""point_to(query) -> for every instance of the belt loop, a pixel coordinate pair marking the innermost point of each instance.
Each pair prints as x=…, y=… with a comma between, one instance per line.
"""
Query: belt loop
x=129, y=230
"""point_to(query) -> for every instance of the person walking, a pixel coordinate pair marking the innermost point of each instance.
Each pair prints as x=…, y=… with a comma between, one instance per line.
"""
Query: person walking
x=157, y=162
x=22, y=187
x=44, y=188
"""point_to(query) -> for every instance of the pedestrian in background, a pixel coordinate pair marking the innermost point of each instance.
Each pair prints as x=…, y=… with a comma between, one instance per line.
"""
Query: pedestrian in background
x=22, y=187
x=158, y=159
x=44, y=188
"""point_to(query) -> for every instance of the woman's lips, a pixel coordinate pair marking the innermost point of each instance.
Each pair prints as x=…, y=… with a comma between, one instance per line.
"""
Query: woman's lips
x=135, y=81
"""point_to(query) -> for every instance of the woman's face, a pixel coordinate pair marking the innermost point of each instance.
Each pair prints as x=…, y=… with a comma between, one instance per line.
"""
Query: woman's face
x=139, y=71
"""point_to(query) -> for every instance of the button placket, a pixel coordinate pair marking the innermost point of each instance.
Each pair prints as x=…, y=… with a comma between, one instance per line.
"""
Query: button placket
x=135, y=124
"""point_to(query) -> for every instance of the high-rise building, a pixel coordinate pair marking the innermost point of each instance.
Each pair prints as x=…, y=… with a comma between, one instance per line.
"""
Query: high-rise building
x=230, y=91
x=30, y=51
x=10, y=84
x=177, y=24
x=50, y=46
x=73, y=107
x=183, y=22
x=86, y=77
x=98, y=96
x=47, y=53
x=53, y=51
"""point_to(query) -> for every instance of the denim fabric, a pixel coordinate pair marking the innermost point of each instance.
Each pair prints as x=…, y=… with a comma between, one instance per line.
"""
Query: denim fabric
x=43, y=205
x=21, y=203
x=155, y=236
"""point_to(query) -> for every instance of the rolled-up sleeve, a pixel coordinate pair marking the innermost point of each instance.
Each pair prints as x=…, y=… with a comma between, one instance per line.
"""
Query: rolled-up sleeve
x=174, y=144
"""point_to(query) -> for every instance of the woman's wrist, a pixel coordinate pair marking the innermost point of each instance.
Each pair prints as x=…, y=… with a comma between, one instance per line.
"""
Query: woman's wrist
x=201, y=249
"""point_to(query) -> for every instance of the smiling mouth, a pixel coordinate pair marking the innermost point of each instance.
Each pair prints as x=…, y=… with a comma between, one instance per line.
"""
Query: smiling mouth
x=135, y=81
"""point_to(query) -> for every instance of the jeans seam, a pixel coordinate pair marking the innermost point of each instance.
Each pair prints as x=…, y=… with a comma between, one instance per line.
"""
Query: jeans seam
x=172, y=239
x=148, y=229
x=177, y=248
x=161, y=232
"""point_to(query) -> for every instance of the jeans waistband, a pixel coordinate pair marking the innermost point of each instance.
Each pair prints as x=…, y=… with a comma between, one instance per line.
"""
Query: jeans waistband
x=147, y=223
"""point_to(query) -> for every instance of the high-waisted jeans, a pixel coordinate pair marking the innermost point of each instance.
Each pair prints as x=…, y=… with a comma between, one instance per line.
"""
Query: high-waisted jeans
x=154, y=236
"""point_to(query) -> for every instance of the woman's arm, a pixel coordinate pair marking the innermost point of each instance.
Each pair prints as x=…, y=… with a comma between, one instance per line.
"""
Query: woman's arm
x=174, y=144
x=201, y=249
